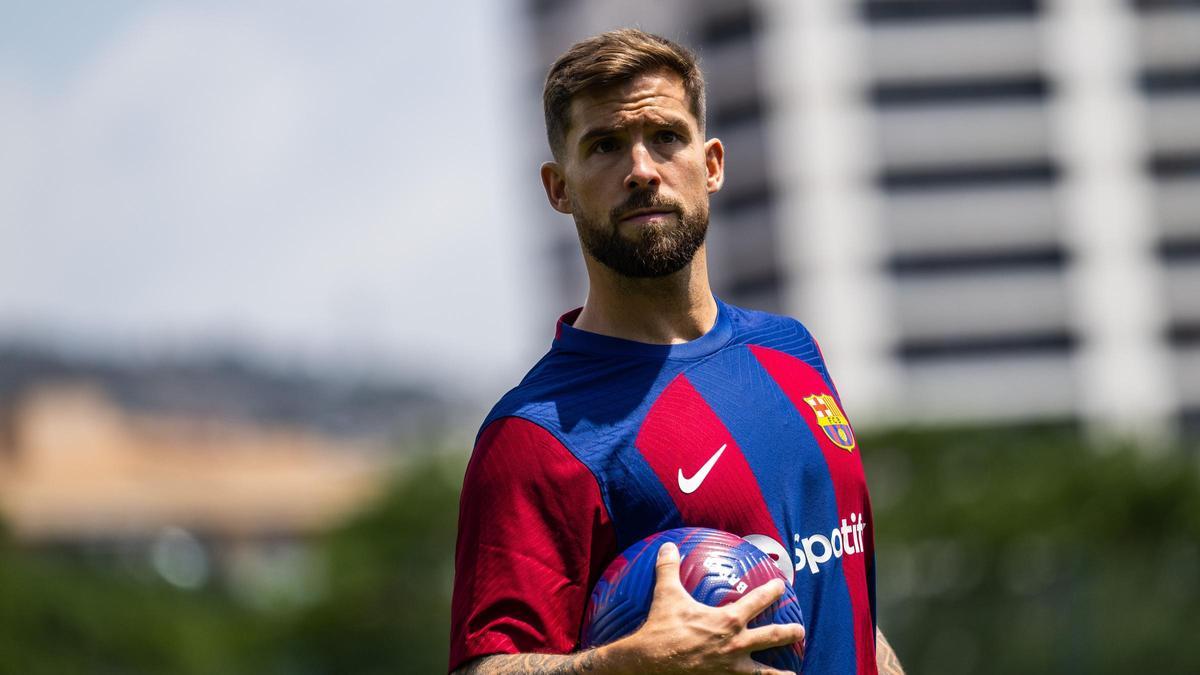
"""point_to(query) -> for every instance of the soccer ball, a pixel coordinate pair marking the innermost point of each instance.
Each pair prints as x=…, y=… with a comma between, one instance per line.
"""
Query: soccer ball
x=716, y=567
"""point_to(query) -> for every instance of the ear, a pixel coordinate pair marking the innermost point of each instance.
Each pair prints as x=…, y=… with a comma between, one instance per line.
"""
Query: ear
x=556, y=187
x=714, y=163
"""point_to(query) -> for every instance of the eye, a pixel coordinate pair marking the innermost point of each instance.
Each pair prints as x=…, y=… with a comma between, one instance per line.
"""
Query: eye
x=668, y=136
x=604, y=145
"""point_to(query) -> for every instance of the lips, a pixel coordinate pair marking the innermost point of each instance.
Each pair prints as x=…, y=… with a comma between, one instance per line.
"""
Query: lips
x=641, y=215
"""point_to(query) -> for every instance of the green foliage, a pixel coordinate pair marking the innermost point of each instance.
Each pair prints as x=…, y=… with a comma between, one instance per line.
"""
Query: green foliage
x=1029, y=551
x=999, y=552
x=59, y=617
x=385, y=607
x=391, y=571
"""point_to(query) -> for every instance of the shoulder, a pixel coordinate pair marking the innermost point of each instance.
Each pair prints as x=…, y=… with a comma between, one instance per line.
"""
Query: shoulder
x=570, y=394
x=774, y=333
x=531, y=399
x=521, y=448
x=518, y=459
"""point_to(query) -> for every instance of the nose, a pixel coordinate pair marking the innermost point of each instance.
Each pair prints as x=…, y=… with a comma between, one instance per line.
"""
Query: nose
x=643, y=170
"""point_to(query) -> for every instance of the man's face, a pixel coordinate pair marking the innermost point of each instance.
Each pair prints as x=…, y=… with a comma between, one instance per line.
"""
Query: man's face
x=636, y=173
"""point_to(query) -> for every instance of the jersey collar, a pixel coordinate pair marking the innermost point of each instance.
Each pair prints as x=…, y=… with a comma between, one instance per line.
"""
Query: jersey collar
x=570, y=338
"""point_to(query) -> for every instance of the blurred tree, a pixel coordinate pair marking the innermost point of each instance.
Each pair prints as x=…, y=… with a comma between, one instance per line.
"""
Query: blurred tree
x=391, y=571
x=60, y=616
x=1029, y=551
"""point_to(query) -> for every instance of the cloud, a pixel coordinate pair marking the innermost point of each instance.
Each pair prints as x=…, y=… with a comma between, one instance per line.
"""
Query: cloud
x=317, y=183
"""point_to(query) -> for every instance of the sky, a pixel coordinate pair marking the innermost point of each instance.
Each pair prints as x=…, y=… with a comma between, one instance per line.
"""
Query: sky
x=333, y=188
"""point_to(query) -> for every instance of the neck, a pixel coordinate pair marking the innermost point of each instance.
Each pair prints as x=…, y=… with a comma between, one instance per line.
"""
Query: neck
x=665, y=310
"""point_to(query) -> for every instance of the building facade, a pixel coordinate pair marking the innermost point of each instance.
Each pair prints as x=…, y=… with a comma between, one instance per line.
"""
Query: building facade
x=988, y=212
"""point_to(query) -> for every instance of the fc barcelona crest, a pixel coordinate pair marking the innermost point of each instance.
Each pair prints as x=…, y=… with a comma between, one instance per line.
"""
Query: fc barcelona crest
x=832, y=421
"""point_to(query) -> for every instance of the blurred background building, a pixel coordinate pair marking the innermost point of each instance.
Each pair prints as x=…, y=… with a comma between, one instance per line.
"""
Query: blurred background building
x=988, y=211
x=212, y=471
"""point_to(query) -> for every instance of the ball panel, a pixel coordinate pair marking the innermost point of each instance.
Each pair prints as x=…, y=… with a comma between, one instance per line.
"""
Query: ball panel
x=621, y=599
x=716, y=568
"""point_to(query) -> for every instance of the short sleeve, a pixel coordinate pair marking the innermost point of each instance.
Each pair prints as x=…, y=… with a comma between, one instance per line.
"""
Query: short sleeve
x=533, y=537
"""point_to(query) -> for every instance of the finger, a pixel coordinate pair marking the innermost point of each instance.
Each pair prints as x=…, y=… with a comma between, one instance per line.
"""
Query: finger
x=666, y=570
x=766, y=637
x=753, y=603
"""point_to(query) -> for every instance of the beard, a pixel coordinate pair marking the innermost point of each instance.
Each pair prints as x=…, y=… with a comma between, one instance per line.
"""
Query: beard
x=656, y=249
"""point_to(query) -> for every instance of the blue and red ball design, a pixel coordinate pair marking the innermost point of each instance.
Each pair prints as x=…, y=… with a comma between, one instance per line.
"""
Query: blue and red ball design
x=716, y=568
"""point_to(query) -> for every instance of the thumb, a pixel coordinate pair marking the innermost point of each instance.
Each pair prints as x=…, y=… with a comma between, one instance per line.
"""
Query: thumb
x=666, y=570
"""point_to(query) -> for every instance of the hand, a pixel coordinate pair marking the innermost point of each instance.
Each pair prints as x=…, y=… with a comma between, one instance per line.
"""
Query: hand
x=682, y=635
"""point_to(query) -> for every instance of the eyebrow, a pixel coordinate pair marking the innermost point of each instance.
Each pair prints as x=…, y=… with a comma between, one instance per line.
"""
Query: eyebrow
x=600, y=132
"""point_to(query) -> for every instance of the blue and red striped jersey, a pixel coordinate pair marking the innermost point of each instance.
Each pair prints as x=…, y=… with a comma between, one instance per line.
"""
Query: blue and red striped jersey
x=606, y=441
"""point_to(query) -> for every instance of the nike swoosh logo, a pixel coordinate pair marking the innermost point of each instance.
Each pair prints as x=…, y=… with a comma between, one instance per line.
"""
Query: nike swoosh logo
x=690, y=485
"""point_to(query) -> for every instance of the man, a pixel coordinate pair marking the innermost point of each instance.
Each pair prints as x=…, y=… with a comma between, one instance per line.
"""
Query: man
x=657, y=407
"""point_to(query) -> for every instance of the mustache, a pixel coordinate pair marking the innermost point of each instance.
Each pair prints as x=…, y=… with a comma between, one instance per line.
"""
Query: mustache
x=645, y=199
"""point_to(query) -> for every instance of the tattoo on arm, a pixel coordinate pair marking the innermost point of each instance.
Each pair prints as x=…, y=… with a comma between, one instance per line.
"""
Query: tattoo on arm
x=885, y=657
x=532, y=664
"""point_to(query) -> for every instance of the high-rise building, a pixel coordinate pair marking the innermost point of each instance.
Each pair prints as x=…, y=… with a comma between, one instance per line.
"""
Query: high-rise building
x=987, y=211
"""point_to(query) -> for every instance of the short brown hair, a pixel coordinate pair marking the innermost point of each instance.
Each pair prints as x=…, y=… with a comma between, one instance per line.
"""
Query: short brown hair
x=609, y=59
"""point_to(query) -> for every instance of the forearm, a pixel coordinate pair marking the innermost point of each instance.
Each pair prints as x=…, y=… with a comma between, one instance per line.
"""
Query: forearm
x=885, y=657
x=596, y=661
